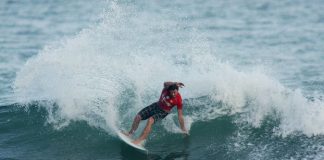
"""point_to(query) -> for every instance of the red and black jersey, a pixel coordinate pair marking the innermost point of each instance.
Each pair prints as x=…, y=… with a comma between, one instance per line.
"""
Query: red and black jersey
x=174, y=101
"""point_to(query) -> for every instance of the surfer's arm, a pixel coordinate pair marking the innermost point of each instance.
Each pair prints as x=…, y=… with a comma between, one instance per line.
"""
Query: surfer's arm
x=167, y=84
x=181, y=121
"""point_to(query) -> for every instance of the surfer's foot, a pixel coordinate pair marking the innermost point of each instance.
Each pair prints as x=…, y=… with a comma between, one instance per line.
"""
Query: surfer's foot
x=127, y=134
x=137, y=142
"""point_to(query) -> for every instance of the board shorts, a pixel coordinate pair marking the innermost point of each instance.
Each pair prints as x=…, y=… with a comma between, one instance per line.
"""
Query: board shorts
x=154, y=111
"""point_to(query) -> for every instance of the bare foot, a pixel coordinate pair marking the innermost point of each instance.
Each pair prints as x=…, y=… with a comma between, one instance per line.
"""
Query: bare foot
x=137, y=142
x=126, y=134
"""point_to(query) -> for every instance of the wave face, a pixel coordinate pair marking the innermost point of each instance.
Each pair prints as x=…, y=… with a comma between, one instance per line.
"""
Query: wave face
x=32, y=135
x=98, y=79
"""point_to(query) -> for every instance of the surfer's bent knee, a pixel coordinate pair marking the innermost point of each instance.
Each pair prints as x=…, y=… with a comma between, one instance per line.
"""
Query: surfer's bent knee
x=138, y=117
x=151, y=120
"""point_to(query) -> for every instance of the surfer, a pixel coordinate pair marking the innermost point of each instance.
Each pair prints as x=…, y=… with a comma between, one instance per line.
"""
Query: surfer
x=169, y=98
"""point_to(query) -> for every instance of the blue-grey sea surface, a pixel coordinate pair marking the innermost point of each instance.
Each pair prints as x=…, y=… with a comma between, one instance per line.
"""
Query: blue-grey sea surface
x=74, y=73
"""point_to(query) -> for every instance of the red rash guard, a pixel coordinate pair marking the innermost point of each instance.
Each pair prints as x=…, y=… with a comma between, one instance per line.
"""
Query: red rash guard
x=175, y=101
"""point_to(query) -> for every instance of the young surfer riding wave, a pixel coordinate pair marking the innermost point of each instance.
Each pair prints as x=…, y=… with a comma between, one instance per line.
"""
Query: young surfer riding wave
x=169, y=98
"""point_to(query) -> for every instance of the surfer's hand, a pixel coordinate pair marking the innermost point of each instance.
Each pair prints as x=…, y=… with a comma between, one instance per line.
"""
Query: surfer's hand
x=180, y=84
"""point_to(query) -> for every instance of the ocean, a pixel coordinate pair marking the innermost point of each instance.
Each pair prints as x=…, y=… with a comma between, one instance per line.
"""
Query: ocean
x=73, y=73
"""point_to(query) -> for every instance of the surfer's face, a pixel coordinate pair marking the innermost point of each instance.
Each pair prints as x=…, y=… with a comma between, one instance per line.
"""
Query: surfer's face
x=173, y=93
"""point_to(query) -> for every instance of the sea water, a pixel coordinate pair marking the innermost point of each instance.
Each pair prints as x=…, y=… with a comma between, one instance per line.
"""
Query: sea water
x=75, y=72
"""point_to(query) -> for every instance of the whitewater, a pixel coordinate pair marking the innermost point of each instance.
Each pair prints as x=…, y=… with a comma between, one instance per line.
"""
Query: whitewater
x=253, y=92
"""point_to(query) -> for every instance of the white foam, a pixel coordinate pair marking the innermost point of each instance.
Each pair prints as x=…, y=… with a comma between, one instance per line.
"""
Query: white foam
x=128, y=56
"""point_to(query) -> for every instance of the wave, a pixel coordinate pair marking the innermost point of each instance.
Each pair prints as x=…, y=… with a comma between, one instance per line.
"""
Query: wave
x=108, y=72
x=221, y=137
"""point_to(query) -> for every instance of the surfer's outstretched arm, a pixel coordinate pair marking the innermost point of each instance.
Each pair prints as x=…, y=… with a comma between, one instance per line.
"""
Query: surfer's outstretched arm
x=181, y=122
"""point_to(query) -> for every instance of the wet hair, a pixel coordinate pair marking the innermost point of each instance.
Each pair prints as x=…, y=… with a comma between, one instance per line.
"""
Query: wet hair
x=173, y=87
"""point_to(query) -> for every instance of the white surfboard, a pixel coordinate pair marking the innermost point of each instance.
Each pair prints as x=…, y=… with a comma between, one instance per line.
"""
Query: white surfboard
x=128, y=141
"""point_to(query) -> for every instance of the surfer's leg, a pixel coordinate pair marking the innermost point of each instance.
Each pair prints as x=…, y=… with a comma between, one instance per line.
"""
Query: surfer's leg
x=144, y=114
x=146, y=131
x=135, y=124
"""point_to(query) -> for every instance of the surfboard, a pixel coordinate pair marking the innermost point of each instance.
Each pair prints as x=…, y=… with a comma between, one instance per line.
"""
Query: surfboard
x=128, y=141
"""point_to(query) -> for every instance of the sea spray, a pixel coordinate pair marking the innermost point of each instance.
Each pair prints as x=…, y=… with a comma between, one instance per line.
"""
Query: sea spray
x=106, y=73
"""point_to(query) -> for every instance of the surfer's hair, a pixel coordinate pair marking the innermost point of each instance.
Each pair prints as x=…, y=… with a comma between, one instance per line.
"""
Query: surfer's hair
x=173, y=87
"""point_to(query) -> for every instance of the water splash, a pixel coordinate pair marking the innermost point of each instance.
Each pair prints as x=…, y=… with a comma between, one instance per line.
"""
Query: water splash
x=106, y=73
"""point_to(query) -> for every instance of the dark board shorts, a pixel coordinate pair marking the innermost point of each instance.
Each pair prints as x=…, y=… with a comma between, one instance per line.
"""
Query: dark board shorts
x=154, y=111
